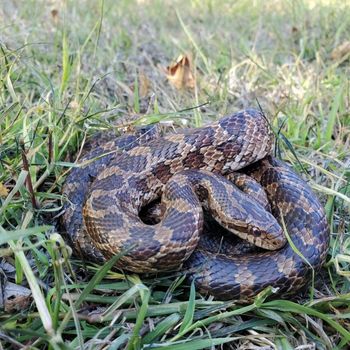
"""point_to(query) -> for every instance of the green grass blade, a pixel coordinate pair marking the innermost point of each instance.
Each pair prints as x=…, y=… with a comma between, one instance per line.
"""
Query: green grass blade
x=188, y=318
x=192, y=344
x=125, y=297
x=193, y=42
x=7, y=236
x=36, y=291
x=216, y=318
x=91, y=285
x=66, y=65
x=289, y=306
x=19, y=183
x=283, y=344
x=161, y=328
x=135, y=340
x=333, y=113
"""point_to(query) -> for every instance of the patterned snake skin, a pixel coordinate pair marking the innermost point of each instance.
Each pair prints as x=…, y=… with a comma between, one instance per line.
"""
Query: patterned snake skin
x=193, y=173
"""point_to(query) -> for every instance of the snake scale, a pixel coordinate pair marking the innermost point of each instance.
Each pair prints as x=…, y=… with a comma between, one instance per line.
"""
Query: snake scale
x=194, y=174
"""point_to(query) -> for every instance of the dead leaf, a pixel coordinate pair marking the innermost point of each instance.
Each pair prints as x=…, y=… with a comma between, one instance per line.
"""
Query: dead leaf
x=15, y=297
x=341, y=51
x=144, y=85
x=54, y=15
x=180, y=73
x=3, y=190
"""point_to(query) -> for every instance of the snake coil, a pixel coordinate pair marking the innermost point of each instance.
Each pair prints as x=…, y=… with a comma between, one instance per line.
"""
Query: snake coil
x=191, y=171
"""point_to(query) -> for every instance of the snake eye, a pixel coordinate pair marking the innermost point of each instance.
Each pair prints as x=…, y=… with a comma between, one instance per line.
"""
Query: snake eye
x=256, y=232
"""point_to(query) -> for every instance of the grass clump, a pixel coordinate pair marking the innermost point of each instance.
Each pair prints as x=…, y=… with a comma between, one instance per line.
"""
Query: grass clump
x=70, y=69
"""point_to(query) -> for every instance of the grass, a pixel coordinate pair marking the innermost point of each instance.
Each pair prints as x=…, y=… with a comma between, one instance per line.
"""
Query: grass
x=69, y=69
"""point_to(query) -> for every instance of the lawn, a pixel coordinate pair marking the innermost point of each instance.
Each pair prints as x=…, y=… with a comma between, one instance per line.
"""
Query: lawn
x=69, y=69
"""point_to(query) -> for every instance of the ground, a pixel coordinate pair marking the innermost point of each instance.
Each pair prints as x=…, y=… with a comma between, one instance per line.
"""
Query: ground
x=69, y=69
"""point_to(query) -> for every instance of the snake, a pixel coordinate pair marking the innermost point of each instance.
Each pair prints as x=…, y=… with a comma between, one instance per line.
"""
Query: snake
x=219, y=171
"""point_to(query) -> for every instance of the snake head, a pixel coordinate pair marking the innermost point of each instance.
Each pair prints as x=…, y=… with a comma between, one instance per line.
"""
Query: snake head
x=267, y=236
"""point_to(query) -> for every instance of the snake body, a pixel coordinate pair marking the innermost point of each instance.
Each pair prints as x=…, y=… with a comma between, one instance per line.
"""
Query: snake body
x=186, y=169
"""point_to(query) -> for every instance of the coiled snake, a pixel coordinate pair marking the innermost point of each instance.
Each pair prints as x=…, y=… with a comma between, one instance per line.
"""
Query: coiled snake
x=191, y=171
